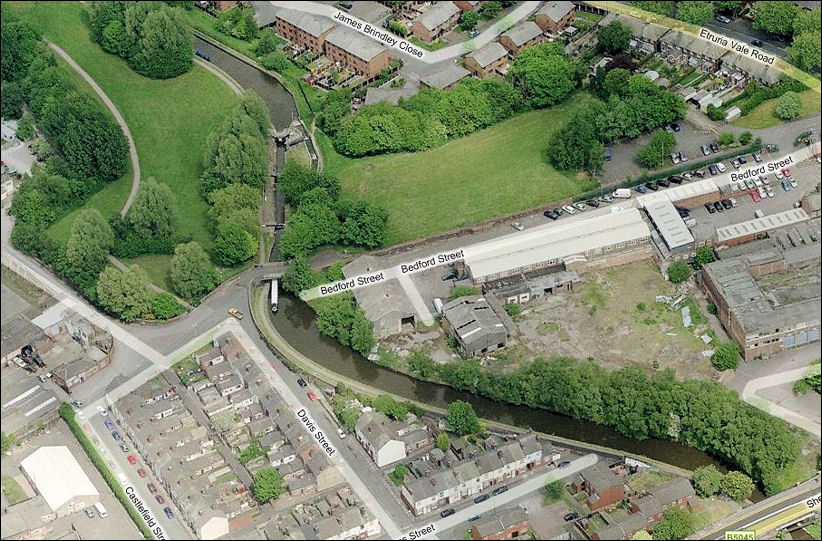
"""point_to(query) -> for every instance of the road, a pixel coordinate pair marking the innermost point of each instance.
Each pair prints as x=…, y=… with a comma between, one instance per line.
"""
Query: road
x=749, y=516
x=749, y=394
x=512, y=494
x=132, y=150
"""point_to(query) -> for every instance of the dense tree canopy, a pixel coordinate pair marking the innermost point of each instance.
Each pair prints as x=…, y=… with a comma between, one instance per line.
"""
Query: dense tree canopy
x=461, y=418
x=126, y=293
x=658, y=7
x=614, y=37
x=707, y=481
x=11, y=100
x=233, y=244
x=806, y=50
x=737, y=486
x=543, y=74
x=192, y=274
x=19, y=43
x=339, y=317
x=268, y=485
x=775, y=17
x=726, y=356
x=296, y=179
x=88, y=246
x=675, y=523
x=695, y=12
x=154, y=212
x=655, y=153
x=788, y=106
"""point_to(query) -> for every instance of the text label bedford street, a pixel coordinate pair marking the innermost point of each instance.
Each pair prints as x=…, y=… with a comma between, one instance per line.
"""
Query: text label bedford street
x=382, y=35
x=738, y=47
x=762, y=169
x=420, y=533
x=311, y=426
x=433, y=261
x=145, y=512
x=352, y=283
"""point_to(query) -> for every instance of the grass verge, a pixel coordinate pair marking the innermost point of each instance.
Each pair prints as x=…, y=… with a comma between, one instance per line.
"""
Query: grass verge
x=12, y=490
x=762, y=116
x=169, y=119
x=67, y=413
x=464, y=181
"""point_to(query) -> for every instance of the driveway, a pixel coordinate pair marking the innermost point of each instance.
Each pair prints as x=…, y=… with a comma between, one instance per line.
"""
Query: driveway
x=20, y=157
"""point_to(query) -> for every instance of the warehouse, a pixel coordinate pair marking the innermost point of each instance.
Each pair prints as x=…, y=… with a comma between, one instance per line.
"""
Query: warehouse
x=587, y=243
x=672, y=230
x=474, y=325
x=61, y=481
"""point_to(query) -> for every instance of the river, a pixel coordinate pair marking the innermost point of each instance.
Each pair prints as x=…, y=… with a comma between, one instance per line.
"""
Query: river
x=295, y=321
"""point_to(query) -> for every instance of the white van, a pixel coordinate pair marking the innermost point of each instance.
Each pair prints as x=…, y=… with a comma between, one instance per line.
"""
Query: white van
x=101, y=510
x=759, y=214
x=622, y=193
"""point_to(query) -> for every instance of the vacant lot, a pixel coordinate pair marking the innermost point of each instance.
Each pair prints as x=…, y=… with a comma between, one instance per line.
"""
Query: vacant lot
x=613, y=317
x=169, y=119
x=493, y=172
x=762, y=116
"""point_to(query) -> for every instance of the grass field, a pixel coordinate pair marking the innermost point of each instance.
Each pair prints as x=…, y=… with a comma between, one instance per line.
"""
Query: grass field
x=493, y=172
x=762, y=116
x=169, y=119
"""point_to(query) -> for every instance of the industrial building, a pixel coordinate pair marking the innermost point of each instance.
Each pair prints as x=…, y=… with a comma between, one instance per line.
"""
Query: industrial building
x=767, y=292
x=675, y=236
x=474, y=324
x=58, y=477
x=589, y=243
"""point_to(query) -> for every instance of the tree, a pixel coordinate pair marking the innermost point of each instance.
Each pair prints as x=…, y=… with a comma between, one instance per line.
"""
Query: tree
x=807, y=21
x=660, y=8
x=162, y=43
x=616, y=82
x=553, y=489
x=366, y=224
x=227, y=202
x=805, y=50
x=697, y=13
x=362, y=333
x=726, y=138
x=6, y=441
x=233, y=244
x=298, y=276
x=513, y=309
x=737, y=486
x=655, y=153
x=125, y=293
x=461, y=418
x=242, y=158
x=543, y=75
x=502, y=97
x=192, y=274
x=490, y=9
x=154, y=212
x=707, y=481
x=745, y=137
x=11, y=100
x=614, y=38
x=703, y=256
x=296, y=179
x=267, y=43
x=678, y=272
x=728, y=6
x=576, y=145
x=726, y=356
x=469, y=20
x=88, y=246
x=443, y=442
x=775, y=17
x=19, y=43
x=336, y=106
x=675, y=523
x=268, y=485
x=25, y=126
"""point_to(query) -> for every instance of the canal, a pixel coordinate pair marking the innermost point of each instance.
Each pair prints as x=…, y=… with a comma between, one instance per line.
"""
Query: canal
x=295, y=322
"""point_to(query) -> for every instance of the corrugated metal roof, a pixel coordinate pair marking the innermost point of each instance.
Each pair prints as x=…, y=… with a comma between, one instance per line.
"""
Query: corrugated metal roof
x=678, y=193
x=761, y=225
x=670, y=225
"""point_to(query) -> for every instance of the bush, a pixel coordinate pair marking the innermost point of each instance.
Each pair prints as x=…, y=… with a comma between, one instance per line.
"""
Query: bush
x=678, y=272
x=464, y=291
x=165, y=306
x=275, y=60
x=397, y=476
x=789, y=106
x=745, y=138
x=726, y=356
x=513, y=309
x=726, y=139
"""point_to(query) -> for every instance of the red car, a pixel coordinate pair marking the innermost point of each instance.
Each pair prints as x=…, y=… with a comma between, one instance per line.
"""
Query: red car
x=141, y=472
x=755, y=196
x=131, y=459
x=160, y=498
x=786, y=171
x=311, y=395
x=152, y=488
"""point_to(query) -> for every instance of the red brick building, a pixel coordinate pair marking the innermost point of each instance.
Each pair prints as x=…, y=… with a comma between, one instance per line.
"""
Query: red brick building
x=521, y=36
x=602, y=486
x=554, y=17
x=488, y=60
x=303, y=29
x=439, y=19
x=508, y=523
x=356, y=52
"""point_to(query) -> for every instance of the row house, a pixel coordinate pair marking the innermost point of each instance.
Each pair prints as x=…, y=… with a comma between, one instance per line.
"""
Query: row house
x=554, y=17
x=646, y=35
x=355, y=52
x=487, y=61
x=216, y=372
x=602, y=486
x=523, y=35
x=209, y=358
x=303, y=29
x=436, y=21
x=218, y=406
x=229, y=385
x=685, y=49
x=241, y=399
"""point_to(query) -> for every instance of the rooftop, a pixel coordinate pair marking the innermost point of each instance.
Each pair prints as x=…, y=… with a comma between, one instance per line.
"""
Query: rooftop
x=471, y=316
x=354, y=43
x=523, y=32
x=488, y=53
x=556, y=10
x=58, y=476
x=500, y=521
x=307, y=22
x=761, y=225
x=437, y=14
x=445, y=77
x=670, y=225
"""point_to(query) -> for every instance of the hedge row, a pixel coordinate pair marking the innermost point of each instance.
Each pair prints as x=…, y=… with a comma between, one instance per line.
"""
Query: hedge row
x=631, y=183
x=67, y=413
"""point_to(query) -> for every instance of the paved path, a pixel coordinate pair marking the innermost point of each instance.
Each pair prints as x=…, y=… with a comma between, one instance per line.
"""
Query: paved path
x=224, y=77
x=772, y=380
x=152, y=286
x=429, y=57
x=132, y=150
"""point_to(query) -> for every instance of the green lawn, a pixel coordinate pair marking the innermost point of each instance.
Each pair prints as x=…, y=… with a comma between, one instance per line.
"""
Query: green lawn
x=814, y=530
x=156, y=266
x=12, y=490
x=494, y=172
x=169, y=119
x=433, y=46
x=762, y=116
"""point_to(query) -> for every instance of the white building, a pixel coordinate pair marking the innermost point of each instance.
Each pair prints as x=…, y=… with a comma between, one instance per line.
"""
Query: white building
x=60, y=480
x=377, y=441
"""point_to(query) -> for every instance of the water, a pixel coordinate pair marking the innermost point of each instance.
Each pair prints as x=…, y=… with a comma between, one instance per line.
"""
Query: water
x=295, y=321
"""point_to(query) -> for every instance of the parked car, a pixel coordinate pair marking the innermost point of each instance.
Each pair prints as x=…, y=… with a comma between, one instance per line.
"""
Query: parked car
x=564, y=464
x=160, y=499
x=735, y=163
x=734, y=202
x=42, y=378
x=341, y=433
x=518, y=226
x=755, y=196
x=301, y=382
x=558, y=211
x=722, y=19
x=778, y=175
x=713, y=170
x=651, y=186
x=109, y=424
x=311, y=395
x=706, y=150
x=123, y=447
x=571, y=516
x=640, y=189
x=756, y=42
x=472, y=519
x=762, y=193
x=749, y=183
x=592, y=203
x=607, y=198
x=757, y=157
x=675, y=126
x=718, y=206
x=765, y=180
x=769, y=191
x=662, y=182
x=714, y=147
x=674, y=158
x=499, y=490
x=726, y=203
x=579, y=206
x=481, y=498
x=447, y=512
x=77, y=403
x=236, y=313
x=676, y=179
x=687, y=175
x=710, y=208
x=152, y=488
x=569, y=209
x=683, y=156
x=792, y=182
x=89, y=512
x=608, y=155
x=131, y=460
x=721, y=166
x=758, y=182
x=169, y=513
x=141, y=472
x=550, y=214
x=473, y=33
x=786, y=186
x=699, y=173
x=115, y=435
x=743, y=160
